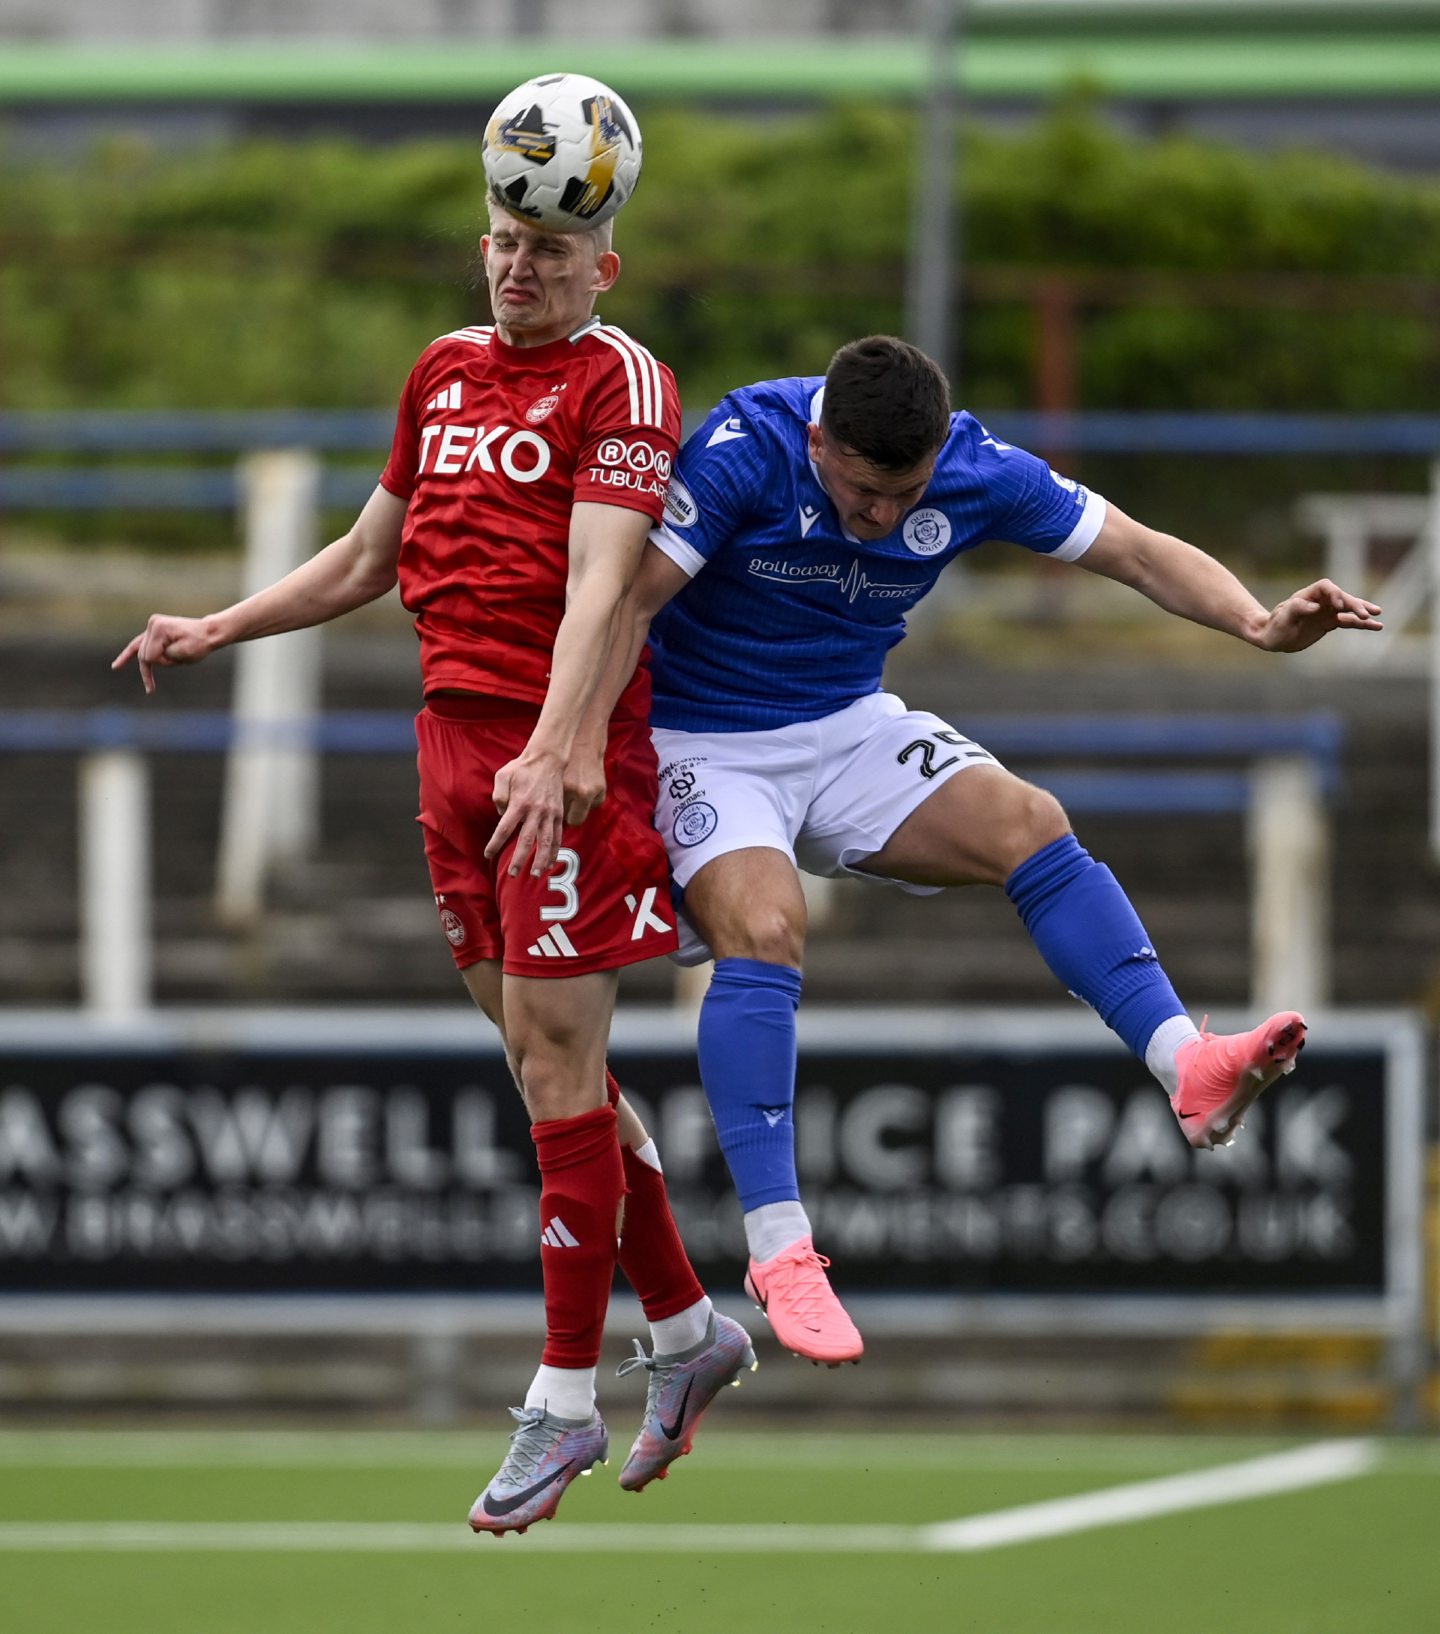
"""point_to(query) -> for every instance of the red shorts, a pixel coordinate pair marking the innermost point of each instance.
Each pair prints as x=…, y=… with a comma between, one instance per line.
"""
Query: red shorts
x=604, y=904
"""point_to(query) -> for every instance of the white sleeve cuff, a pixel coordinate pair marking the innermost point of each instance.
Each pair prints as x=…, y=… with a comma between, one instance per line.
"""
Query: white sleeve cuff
x=685, y=557
x=1085, y=532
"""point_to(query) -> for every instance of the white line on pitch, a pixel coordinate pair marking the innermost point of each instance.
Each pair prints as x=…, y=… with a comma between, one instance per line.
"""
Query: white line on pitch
x=1316, y=1465
x=1132, y=1455
x=333, y=1537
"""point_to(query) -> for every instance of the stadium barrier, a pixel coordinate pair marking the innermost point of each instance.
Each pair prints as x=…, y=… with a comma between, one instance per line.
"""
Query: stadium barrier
x=308, y=434
x=1275, y=771
x=973, y=1173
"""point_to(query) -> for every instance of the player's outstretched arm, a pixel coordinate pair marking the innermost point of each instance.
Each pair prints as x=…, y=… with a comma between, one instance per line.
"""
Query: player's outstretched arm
x=354, y=569
x=657, y=580
x=531, y=791
x=1184, y=580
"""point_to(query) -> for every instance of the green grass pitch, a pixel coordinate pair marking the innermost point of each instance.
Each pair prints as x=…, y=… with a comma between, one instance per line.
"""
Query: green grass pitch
x=235, y=1532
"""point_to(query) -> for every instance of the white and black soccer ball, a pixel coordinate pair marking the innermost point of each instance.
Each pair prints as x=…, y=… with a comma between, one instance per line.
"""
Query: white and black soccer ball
x=562, y=152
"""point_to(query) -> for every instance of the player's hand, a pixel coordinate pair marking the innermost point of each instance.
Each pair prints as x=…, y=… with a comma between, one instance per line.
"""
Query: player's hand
x=1302, y=619
x=167, y=640
x=584, y=780
x=530, y=797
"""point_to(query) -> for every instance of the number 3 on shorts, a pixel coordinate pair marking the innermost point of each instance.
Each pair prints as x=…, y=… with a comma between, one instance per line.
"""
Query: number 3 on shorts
x=562, y=883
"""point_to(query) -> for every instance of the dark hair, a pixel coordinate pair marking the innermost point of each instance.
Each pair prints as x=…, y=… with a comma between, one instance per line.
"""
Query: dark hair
x=886, y=401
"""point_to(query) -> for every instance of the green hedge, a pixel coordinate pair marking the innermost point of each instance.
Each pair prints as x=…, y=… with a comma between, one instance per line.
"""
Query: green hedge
x=311, y=275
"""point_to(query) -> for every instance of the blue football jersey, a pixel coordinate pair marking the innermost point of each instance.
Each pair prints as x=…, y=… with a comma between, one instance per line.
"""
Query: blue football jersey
x=787, y=617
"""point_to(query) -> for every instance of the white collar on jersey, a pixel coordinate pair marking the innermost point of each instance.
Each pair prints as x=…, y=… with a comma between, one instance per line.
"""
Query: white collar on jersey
x=815, y=405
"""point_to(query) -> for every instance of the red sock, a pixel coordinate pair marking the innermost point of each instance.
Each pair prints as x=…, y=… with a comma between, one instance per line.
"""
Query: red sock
x=652, y=1255
x=581, y=1184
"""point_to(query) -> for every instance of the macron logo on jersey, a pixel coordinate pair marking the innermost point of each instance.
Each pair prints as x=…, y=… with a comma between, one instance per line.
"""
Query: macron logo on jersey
x=447, y=399
x=726, y=432
x=809, y=516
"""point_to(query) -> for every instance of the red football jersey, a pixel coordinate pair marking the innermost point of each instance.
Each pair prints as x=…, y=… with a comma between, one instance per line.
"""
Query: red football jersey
x=493, y=445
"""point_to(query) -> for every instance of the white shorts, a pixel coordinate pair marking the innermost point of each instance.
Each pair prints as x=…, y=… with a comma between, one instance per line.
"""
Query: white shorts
x=826, y=793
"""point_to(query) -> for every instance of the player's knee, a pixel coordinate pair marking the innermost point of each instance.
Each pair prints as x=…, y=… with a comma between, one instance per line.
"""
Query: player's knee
x=554, y=1078
x=1037, y=820
x=769, y=933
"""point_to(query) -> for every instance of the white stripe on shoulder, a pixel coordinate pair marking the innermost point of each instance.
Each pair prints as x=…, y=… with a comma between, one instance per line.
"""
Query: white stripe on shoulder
x=685, y=556
x=632, y=375
x=643, y=372
x=476, y=334
x=1085, y=531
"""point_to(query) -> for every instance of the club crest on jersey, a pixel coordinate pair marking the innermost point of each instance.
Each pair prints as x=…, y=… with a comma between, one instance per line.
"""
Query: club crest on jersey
x=927, y=531
x=542, y=408
x=695, y=822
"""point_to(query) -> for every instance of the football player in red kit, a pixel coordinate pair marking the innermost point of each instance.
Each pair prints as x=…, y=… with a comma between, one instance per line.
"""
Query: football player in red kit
x=529, y=462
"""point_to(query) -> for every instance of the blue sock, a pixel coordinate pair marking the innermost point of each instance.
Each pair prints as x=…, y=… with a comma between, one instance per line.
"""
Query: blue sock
x=1090, y=936
x=747, y=1064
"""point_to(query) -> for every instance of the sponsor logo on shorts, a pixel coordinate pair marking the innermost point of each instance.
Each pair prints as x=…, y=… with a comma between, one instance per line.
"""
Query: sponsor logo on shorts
x=697, y=822
x=927, y=531
x=681, y=785
x=680, y=506
x=453, y=926
x=643, y=908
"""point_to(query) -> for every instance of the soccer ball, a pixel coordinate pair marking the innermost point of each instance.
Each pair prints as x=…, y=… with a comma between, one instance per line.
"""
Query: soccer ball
x=562, y=152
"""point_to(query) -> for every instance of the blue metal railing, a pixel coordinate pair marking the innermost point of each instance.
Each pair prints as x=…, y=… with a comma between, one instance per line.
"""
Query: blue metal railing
x=151, y=487
x=1041, y=743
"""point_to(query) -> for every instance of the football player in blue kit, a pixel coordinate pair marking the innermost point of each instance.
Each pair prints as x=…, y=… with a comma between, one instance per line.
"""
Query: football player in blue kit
x=805, y=518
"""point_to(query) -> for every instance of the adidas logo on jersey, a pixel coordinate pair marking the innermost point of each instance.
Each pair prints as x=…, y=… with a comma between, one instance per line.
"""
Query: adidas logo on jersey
x=447, y=399
x=558, y=1235
x=554, y=944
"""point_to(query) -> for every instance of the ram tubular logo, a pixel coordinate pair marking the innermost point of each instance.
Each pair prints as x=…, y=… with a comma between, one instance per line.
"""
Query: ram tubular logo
x=638, y=456
x=526, y=134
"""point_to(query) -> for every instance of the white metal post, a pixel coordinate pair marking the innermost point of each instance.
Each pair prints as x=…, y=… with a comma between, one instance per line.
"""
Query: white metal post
x=936, y=215
x=1289, y=841
x=116, y=957
x=271, y=801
